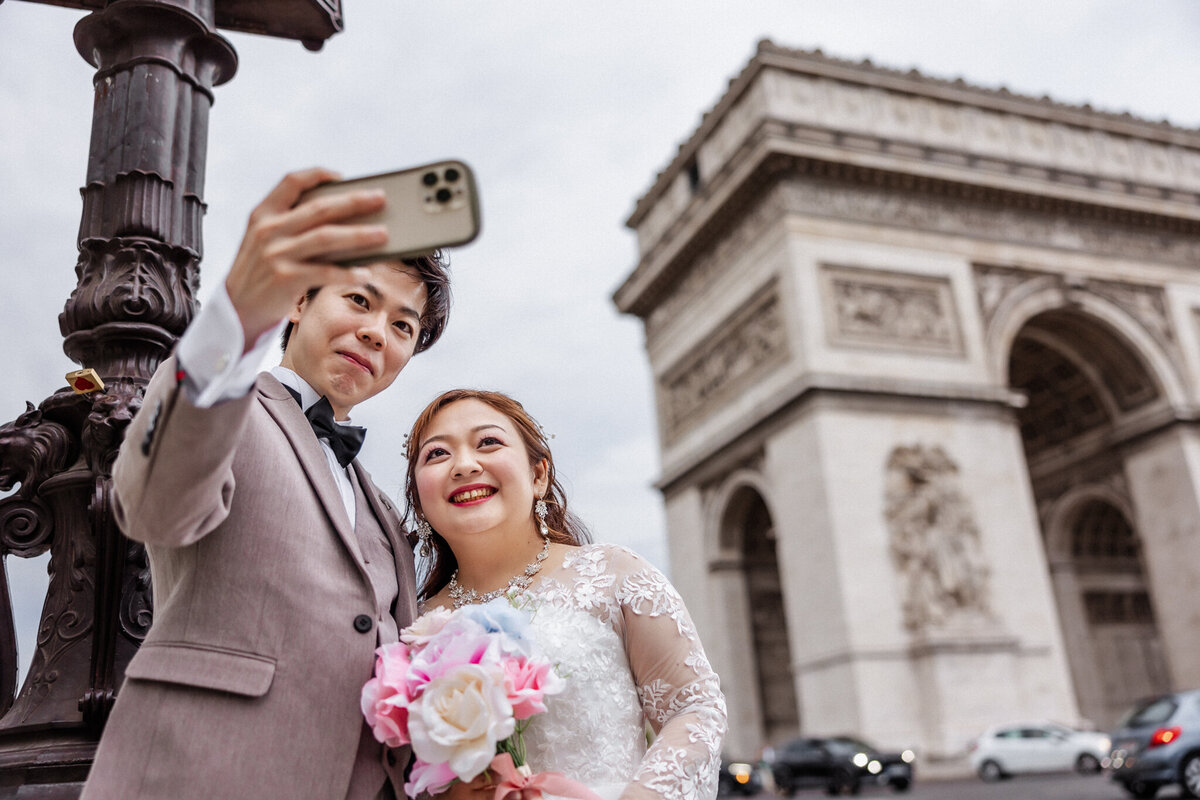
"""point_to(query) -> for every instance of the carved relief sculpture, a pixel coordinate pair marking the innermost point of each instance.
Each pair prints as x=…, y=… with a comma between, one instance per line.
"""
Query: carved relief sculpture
x=934, y=540
x=890, y=310
x=751, y=341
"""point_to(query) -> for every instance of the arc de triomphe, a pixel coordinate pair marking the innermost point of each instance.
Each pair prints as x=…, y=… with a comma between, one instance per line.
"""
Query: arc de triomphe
x=927, y=365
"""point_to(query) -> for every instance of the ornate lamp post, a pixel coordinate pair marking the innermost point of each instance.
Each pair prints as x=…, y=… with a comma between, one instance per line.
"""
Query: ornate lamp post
x=140, y=246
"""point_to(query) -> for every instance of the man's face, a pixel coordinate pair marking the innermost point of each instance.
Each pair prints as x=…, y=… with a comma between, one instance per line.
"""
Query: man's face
x=351, y=340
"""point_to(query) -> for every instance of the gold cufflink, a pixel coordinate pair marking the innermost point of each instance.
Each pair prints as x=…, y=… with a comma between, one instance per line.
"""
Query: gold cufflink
x=84, y=381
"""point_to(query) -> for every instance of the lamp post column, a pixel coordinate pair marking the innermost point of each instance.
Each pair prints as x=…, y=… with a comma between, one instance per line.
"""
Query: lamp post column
x=157, y=62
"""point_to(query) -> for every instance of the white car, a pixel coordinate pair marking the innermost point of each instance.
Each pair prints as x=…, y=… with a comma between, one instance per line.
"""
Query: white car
x=1006, y=750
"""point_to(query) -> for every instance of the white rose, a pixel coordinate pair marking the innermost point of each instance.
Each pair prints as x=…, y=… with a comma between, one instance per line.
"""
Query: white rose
x=459, y=718
x=427, y=626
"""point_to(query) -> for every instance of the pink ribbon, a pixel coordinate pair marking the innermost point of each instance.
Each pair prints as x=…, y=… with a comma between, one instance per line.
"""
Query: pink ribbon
x=523, y=779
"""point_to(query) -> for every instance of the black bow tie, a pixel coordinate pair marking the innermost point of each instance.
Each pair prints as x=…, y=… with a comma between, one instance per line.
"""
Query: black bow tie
x=345, y=440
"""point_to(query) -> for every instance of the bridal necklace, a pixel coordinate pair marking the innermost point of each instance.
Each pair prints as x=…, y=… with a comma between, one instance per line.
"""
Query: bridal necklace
x=516, y=583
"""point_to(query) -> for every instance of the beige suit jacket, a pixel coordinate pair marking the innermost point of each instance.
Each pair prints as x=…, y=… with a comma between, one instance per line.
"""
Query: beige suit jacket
x=248, y=683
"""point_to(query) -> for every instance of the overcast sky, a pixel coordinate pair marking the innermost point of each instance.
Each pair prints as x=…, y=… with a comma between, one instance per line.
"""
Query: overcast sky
x=567, y=110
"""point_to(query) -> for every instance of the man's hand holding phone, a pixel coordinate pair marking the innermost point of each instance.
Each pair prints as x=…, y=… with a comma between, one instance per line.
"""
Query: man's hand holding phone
x=313, y=226
x=287, y=247
x=428, y=207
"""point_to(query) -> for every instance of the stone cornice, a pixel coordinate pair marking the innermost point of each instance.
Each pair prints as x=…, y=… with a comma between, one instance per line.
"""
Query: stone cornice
x=957, y=90
x=683, y=465
x=866, y=75
x=777, y=152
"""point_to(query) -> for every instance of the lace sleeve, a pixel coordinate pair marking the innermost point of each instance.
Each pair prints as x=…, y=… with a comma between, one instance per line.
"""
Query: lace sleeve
x=680, y=694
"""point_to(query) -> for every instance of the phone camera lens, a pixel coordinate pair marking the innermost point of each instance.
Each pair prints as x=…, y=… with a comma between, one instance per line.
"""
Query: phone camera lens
x=443, y=195
x=451, y=175
x=429, y=178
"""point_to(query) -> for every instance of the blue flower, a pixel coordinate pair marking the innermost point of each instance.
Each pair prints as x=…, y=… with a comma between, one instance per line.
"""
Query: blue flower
x=499, y=616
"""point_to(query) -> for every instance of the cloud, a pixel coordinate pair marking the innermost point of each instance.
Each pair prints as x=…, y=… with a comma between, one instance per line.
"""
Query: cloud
x=567, y=111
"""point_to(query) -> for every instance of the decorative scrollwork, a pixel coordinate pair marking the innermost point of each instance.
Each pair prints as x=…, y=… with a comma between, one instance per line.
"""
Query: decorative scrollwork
x=26, y=526
x=132, y=280
x=137, y=611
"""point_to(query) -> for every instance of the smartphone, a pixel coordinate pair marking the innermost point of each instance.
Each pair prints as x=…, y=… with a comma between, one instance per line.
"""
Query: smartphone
x=428, y=207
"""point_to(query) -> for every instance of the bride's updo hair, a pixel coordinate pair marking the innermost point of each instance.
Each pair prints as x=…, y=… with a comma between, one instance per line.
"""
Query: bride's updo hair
x=565, y=527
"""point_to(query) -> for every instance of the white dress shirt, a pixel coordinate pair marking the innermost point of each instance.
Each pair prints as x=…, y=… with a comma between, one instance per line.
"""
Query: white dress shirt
x=209, y=352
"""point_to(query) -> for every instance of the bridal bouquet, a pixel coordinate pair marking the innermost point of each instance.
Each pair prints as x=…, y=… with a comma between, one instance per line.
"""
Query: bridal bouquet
x=460, y=687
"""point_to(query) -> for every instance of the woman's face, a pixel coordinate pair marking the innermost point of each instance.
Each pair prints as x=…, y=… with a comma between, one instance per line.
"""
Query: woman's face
x=473, y=473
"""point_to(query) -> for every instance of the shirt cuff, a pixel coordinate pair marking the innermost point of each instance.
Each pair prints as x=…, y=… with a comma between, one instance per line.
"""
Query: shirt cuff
x=209, y=353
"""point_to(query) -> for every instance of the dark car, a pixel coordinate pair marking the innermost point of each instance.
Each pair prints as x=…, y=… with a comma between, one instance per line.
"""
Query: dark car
x=1157, y=743
x=840, y=765
x=738, y=777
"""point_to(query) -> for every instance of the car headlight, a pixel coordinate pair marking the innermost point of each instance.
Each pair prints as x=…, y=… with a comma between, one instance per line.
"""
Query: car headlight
x=860, y=760
x=908, y=756
x=740, y=772
x=874, y=767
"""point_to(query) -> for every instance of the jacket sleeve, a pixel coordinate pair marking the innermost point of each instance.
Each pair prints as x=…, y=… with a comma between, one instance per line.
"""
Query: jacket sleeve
x=173, y=479
x=680, y=693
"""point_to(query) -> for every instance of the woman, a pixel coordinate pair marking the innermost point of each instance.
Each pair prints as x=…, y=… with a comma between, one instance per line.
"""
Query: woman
x=492, y=516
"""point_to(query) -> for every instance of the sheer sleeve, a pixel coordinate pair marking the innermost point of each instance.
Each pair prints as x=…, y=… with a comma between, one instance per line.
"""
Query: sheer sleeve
x=680, y=693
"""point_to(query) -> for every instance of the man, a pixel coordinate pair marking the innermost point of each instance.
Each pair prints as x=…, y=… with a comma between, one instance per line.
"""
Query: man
x=278, y=566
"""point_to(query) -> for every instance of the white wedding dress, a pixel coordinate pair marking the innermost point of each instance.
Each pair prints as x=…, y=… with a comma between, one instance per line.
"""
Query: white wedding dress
x=622, y=639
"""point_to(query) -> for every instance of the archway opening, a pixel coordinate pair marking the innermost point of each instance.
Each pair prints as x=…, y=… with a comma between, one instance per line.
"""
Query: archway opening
x=1086, y=389
x=747, y=529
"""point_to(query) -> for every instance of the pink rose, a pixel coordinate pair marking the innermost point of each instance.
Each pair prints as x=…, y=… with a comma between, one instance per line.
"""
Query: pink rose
x=528, y=683
x=455, y=646
x=385, y=697
x=428, y=778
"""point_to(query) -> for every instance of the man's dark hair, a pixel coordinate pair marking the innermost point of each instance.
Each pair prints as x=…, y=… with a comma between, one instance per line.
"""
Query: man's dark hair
x=434, y=273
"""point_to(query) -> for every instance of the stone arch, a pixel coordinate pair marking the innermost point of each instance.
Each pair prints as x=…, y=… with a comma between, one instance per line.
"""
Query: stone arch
x=724, y=541
x=1093, y=380
x=1082, y=377
x=742, y=544
x=1050, y=294
x=1115, y=648
x=1058, y=526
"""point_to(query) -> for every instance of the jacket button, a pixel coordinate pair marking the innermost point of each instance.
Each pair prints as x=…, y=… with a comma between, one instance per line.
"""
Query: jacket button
x=362, y=623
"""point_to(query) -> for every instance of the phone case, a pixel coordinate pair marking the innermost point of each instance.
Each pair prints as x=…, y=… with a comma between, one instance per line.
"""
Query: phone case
x=428, y=207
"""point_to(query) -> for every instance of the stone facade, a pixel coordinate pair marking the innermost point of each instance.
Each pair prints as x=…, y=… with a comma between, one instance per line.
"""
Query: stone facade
x=927, y=361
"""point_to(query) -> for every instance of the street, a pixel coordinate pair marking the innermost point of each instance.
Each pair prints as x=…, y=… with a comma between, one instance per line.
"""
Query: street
x=1042, y=787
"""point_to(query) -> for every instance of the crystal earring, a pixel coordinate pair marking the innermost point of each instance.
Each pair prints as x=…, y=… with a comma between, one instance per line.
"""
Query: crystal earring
x=540, y=509
x=424, y=531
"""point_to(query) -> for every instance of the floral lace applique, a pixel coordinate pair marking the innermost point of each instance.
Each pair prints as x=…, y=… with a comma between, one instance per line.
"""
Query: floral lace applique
x=598, y=617
x=655, y=700
x=587, y=561
x=674, y=773
x=650, y=594
x=591, y=589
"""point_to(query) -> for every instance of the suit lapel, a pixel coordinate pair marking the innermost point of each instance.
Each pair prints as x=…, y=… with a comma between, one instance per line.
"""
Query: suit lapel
x=286, y=412
x=381, y=506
